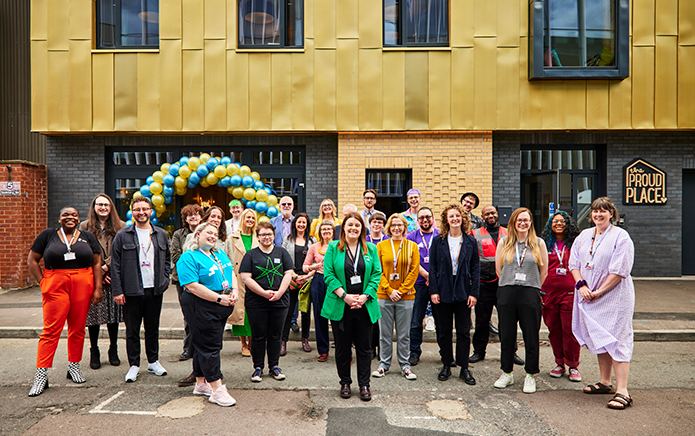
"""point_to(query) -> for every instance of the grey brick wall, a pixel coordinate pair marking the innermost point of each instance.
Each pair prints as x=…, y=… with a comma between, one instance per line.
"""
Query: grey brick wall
x=321, y=171
x=672, y=152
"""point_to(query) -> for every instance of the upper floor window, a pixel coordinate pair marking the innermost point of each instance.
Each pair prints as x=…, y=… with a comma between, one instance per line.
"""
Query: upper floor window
x=579, y=38
x=271, y=23
x=127, y=23
x=413, y=23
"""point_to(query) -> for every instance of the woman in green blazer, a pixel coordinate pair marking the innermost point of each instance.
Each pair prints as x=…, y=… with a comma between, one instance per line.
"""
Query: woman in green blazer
x=352, y=271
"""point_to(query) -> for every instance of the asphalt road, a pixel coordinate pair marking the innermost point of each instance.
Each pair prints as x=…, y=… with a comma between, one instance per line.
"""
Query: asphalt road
x=662, y=383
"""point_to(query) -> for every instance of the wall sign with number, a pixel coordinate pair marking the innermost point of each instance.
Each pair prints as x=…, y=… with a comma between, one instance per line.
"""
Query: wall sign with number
x=643, y=183
x=8, y=189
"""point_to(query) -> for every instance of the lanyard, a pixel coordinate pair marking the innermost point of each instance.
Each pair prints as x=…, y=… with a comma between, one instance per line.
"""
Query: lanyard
x=353, y=258
x=374, y=241
x=425, y=243
x=560, y=256
x=214, y=259
x=458, y=252
x=396, y=256
x=592, y=252
x=520, y=260
x=65, y=239
x=142, y=246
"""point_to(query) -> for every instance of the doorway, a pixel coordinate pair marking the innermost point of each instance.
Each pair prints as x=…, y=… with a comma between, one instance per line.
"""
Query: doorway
x=687, y=235
x=391, y=187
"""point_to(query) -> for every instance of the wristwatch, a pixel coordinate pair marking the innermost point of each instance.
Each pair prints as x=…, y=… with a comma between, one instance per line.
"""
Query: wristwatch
x=219, y=299
x=580, y=283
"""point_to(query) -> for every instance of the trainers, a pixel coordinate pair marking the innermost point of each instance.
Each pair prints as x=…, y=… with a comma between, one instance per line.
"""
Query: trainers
x=221, y=396
x=504, y=380
x=429, y=323
x=379, y=372
x=257, y=375
x=276, y=372
x=202, y=389
x=575, y=376
x=529, y=384
x=558, y=371
x=409, y=374
x=132, y=374
x=156, y=368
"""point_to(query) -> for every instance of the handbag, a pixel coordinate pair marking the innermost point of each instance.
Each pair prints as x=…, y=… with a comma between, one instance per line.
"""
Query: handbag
x=304, y=296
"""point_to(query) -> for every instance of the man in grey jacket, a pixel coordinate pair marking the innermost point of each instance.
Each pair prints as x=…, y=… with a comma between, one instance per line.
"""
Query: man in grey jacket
x=140, y=267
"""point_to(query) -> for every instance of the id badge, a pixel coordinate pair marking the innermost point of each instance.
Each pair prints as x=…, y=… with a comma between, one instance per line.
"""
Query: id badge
x=426, y=259
x=69, y=255
x=520, y=277
x=561, y=271
x=394, y=277
x=355, y=280
x=225, y=285
x=589, y=265
x=276, y=260
x=145, y=263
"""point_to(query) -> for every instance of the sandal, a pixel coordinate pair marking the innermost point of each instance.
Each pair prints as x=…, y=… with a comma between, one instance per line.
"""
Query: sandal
x=620, y=402
x=599, y=388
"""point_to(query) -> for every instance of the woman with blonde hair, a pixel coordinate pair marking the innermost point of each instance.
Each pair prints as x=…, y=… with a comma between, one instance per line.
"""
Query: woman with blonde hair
x=236, y=246
x=522, y=266
x=327, y=211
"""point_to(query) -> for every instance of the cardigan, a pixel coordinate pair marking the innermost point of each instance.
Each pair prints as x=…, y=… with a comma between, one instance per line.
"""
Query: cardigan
x=334, y=276
x=453, y=289
x=408, y=269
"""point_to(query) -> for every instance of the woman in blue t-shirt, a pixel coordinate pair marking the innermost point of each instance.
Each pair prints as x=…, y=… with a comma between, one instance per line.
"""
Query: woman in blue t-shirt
x=211, y=292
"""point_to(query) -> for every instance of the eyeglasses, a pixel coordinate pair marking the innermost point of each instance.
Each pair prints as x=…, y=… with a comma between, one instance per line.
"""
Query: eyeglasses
x=370, y=198
x=559, y=221
x=266, y=235
x=397, y=225
x=102, y=204
x=524, y=221
x=424, y=218
x=147, y=209
x=285, y=204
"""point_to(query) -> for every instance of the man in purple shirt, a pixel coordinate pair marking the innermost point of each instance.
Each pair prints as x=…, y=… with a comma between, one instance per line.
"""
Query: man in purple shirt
x=283, y=222
x=423, y=238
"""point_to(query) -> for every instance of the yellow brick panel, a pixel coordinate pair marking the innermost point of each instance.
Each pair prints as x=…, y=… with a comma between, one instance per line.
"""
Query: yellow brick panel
x=643, y=88
x=462, y=93
x=259, y=82
x=80, y=95
x=303, y=88
x=370, y=24
x=39, y=20
x=620, y=101
x=346, y=23
x=462, y=28
x=170, y=19
x=193, y=95
x=393, y=80
x=58, y=13
x=193, y=24
x=508, y=24
x=597, y=98
x=281, y=90
x=370, y=89
x=485, y=81
x=643, y=22
x=324, y=86
x=215, y=14
x=439, y=90
x=485, y=13
x=148, y=92
x=102, y=92
x=81, y=24
x=237, y=91
x=530, y=94
x=686, y=22
x=170, y=85
x=507, y=88
x=126, y=92
x=667, y=17
x=324, y=24
x=686, y=87
x=39, y=85
x=215, y=73
x=57, y=94
x=346, y=84
x=666, y=83
x=416, y=91
x=576, y=116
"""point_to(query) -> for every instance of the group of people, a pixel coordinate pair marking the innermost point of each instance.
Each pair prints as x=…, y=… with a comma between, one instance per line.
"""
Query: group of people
x=366, y=274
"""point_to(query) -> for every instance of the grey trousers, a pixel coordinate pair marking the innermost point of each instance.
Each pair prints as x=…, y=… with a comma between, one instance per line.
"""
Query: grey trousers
x=400, y=313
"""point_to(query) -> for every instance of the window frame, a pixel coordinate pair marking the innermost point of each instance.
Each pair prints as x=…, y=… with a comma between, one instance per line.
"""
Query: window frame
x=537, y=69
x=118, y=25
x=401, y=27
x=283, y=27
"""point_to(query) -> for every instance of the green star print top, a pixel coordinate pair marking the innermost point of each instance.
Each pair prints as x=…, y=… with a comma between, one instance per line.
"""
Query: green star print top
x=267, y=270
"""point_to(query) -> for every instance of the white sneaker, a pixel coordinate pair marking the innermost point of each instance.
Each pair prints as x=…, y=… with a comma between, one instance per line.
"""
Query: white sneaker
x=221, y=396
x=156, y=368
x=429, y=323
x=132, y=374
x=379, y=372
x=504, y=380
x=529, y=384
x=202, y=389
x=409, y=374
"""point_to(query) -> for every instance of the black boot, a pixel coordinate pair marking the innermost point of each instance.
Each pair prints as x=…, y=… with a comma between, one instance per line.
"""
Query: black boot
x=113, y=356
x=95, y=359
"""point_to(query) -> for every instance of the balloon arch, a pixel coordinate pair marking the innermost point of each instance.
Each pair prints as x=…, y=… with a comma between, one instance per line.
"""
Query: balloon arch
x=188, y=172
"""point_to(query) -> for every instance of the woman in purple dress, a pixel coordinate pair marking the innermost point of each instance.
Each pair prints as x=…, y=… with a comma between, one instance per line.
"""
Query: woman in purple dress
x=601, y=261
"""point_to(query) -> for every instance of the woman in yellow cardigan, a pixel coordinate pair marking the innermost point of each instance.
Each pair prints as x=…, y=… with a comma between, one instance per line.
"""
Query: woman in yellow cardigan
x=327, y=211
x=400, y=264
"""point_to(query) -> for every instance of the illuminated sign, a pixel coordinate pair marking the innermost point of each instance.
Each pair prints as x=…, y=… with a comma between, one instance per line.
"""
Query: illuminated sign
x=643, y=183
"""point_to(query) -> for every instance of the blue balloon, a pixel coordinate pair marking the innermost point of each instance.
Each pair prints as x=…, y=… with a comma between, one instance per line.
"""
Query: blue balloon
x=154, y=220
x=212, y=163
x=184, y=160
x=171, y=220
x=145, y=190
x=129, y=223
x=194, y=178
x=191, y=184
x=235, y=180
x=258, y=185
x=224, y=182
x=168, y=199
x=149, y=180
x=251, y=204
x=168, y=191
x=169, y=180
x=129, y=215
x=243, y=201
x=261, y=207
x=202, y=171
x=271, y=212
x=247, y=181
x=268, y=190
x=225, y=161
x=174, y=169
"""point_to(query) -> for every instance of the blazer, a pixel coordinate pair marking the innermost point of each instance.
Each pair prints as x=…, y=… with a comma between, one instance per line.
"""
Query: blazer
x=442, y=281
x=277, y=223
x=235, y=251
x=334, y=276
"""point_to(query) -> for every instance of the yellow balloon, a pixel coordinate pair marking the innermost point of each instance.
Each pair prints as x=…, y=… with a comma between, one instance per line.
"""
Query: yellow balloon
x=230, y=189
x=180, y=182
x=204, y=157
x=244, y=171
x=220, y=171
x=204, y=183
x=263, y=219
x=158, y=176
x=185, y=171
x=255, y=176
x=156, y=187
x=160, y=209
x=249, y=193
x=238, y=192
x=232, y=169
x=272, y=200
x=193, y=163
x=157, y=199
x=211, y=178
x=261, y=195
x=137, y=194
x=181, y=191
x=165, y=168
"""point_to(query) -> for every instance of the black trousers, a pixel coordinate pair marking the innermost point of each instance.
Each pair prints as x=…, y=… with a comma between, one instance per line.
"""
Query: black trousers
x=520, y=304
x=186, y=329
x=446, y=314
x=355, y=327
x=207, y=326
x=306, y=317
x=142, y=310
x=483, y=313
x=266, y=332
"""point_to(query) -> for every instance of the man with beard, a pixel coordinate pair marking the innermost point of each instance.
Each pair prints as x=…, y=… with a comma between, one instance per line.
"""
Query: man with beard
x=470, y=201
x=423, y=238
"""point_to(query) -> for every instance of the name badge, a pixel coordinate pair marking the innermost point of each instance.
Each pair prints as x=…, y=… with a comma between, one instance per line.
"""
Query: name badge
x=561, y=271
x=355, y=280
x=520, y=277
x=589, y=265
x=225, y=284
x=276, y=260
x=145, y=263
x=69, y=255
x=394, y=276
x=426, y=259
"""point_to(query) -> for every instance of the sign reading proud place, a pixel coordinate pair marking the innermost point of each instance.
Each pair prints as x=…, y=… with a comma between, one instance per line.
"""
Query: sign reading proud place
x=643, y=183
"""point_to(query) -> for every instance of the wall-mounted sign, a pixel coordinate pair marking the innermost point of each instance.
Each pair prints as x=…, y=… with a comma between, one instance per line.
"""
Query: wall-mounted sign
x=643, y=183
x=10, y=188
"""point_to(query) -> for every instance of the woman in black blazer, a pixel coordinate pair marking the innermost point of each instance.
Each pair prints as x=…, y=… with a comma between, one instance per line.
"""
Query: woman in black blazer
x=454, y=285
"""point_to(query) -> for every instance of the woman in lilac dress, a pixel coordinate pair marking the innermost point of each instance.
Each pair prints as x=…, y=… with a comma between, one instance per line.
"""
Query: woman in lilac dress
x=601, y=261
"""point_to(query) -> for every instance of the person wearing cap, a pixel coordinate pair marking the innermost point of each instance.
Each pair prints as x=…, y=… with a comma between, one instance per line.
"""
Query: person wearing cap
x=369, y=200
x=232, y=224
x=470, y=201
x=283, y=222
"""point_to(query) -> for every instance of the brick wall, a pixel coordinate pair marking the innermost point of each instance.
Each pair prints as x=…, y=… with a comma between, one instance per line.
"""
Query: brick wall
x=22, y=218
x=321, y=171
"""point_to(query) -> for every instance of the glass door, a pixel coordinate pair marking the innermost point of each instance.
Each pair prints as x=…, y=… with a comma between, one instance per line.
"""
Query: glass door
x=583, y=193
x=537, y=192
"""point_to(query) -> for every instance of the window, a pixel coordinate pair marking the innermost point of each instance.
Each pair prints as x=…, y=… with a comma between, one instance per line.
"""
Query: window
x=413, y=23
x=271, y=23
x=127, y=23
x=579, y=38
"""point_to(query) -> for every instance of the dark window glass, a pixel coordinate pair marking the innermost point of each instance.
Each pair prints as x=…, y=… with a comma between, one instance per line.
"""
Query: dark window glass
x=388, y=184
x=271, y=23
x=127, y=23
x=277, y=158
x=558, y=160
x=139, y=158
x=416, y=23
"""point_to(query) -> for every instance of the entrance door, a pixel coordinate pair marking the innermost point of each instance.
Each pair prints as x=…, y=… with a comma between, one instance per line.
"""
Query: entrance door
x=687, y=235
x=537, y=192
